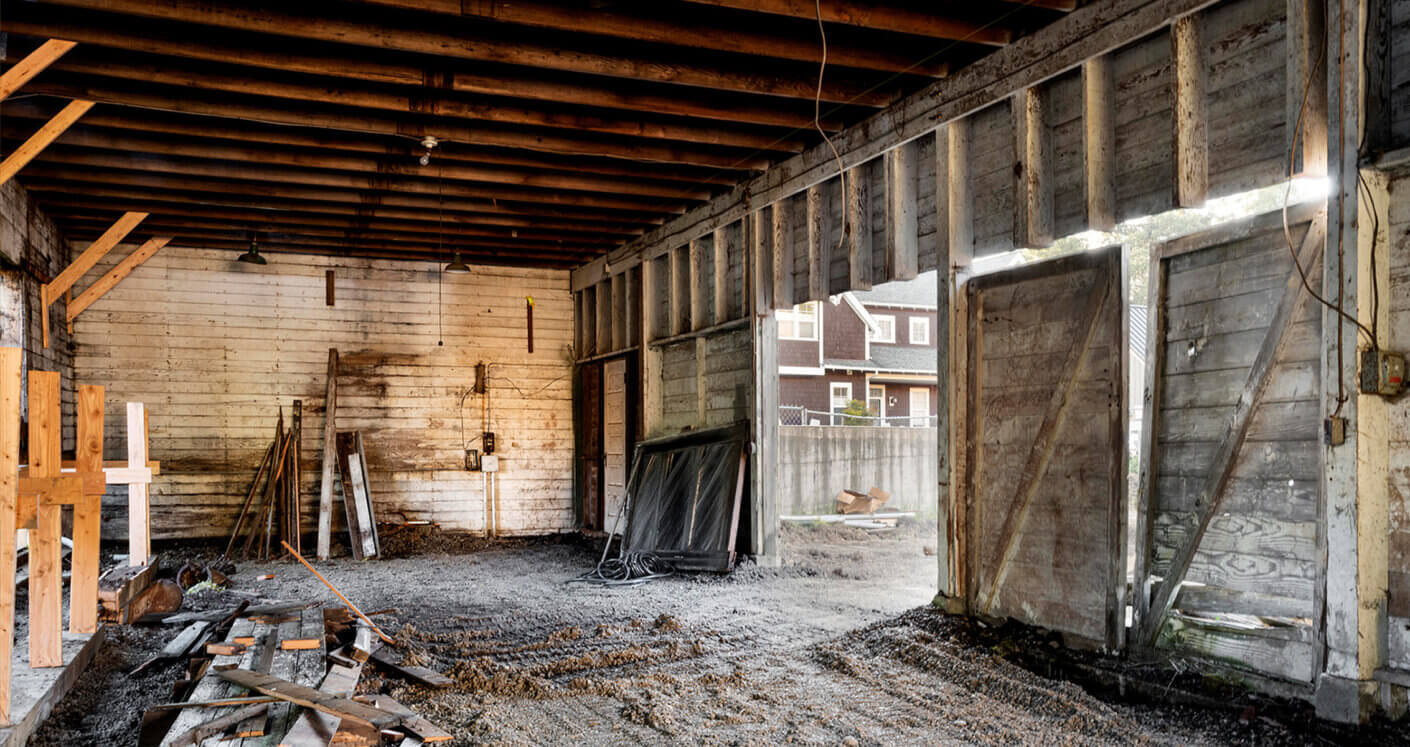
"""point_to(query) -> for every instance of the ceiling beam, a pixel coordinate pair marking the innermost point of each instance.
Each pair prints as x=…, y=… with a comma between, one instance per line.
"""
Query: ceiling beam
x=930, y=22
x=194, y=227
x=276, y=111
x=367, y=251
x=71, y=204
x=40, y=140
x=688, y=32
x=197, y=189
x=436, y=39
x=371, y=182
x=241, y=235
x=318, y=159
x=122, y=118
x=232, y=79
x=32, y=65
x=157, y=38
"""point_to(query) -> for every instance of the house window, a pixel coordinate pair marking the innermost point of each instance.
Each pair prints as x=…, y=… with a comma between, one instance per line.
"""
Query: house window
x=885, y=328
x=876, y=400
x=920, y=330
x=841, y=395
x=799, y=322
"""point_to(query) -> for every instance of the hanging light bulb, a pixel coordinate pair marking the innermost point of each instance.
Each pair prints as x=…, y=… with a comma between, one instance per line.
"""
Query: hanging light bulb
x=457, y=267
x=252, y=256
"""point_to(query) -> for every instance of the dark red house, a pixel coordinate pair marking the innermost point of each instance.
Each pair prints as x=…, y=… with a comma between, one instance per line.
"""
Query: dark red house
x=874, y=347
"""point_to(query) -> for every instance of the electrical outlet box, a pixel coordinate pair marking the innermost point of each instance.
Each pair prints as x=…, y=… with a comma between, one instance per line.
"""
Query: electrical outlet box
x=1382, y=373
x=472, y=459
x=487, y=442
x=1334, y=431
x=489, y=463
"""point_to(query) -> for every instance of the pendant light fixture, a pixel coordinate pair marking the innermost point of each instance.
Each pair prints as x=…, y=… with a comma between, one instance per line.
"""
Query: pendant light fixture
x=252, y=256
x=457, y=267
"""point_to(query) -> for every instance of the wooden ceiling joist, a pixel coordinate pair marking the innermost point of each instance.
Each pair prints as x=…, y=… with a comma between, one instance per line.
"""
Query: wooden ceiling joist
x=41, y=139
x=35, y=62
x=560, y=130
x=508, y=83
x=122, y=119
x=275, y=111
x=682, y=32
x=62, y=282
x=434, y=38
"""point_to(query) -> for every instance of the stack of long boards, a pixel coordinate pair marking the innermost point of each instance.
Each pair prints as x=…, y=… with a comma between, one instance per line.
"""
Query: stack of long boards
x=273, y=507
x=273, y=681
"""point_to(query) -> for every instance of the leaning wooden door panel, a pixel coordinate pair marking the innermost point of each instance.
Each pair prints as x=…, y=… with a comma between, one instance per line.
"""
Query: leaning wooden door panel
x=1045, y=477
x=1231, y=452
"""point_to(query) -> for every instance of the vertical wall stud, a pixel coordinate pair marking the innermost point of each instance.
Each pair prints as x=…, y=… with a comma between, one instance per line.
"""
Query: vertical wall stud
x=819, y=245
x=1191, y=136
x=858, y=227
x=902, y=227
x=1099, y=142
x=782, y=255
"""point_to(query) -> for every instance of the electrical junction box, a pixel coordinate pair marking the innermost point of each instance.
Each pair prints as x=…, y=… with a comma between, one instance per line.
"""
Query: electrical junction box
x=1382, y=373
x=487, y=442
x=489, y=463
x=472, y=459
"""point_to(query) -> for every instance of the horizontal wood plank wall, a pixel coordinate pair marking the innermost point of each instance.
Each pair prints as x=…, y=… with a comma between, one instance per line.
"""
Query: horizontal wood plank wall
x=31, y=242
x=1399, y=302
x=214, y=347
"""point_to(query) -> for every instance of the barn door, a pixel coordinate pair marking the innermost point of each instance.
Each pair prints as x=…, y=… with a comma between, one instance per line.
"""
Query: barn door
x=1230, y=448
x=589, y=444
x=1046, y=460
x=615, y=442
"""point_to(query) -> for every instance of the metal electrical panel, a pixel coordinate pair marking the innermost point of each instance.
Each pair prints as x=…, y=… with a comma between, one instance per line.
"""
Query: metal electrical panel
x=1382, y=373
x=489, y=463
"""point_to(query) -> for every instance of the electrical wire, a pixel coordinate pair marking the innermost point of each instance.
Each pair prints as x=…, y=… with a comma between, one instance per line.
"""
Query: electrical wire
x=817, y=122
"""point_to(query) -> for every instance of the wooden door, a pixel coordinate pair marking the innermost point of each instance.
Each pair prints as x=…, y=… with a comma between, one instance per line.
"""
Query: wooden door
x=614, y=442
x=1044, y=519
x=1231, y=448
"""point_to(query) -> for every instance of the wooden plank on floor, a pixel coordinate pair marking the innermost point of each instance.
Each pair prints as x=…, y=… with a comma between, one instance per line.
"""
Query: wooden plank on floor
x=309, y=697
x=389, y=661
x=37, y=691
x=210, y=687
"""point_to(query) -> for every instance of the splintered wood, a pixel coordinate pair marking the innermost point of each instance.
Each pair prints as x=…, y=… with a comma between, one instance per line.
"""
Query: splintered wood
x=270, y=681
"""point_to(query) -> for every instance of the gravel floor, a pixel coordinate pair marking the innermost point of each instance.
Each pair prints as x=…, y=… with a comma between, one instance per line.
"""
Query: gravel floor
x=837, y=646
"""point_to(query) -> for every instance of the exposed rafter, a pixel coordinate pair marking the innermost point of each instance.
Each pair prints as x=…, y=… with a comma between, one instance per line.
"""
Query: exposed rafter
x=32, y=65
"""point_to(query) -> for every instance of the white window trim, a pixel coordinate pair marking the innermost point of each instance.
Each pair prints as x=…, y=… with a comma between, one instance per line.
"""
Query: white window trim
x=832, y=388
x=923, y=418
x=924, y=328
x=792, y=315
x=800, y=371
x=879, y=338
x=880, y=411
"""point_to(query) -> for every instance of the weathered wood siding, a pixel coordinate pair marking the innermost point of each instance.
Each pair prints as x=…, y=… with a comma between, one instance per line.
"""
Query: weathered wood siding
x=215, y=347
x=1218, y=293
x=1046, y=480
x=1399, y=334
x=34, y=252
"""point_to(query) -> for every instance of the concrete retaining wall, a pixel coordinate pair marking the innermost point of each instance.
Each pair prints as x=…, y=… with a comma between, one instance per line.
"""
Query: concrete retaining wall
x=816, y=463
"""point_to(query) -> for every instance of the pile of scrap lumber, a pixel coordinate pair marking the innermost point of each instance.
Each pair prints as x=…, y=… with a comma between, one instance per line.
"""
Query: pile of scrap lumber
x=285, y=674
x=128, y=592
x=279, y=511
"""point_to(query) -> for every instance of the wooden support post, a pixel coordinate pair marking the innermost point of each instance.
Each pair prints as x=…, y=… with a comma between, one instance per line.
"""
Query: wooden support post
x=46, y=613
x=87, y=515
x=1099, y=142
x=587, y=321
x=952, y=171
x=33, y=64
x=699, y=300
x=678, y=291
x=11, y=361
x=652, y=403
x=782, y=233
x=944, y=403
x=761, y=262
x=41, y=139
x=819, y=247
x=619, y=311
x=330, y=458
x=631, y=280
x=763, y=396
x=56, y=288
x=114, y=276
x=726, y=244
x=603, y=316
x=902, y=227
x=1190, y=71
x=858, y=228
x=1307, y=87
x=139, y=527
x=1033, y=182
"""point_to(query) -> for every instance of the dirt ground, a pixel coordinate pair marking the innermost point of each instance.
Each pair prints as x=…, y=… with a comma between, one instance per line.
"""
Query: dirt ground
x=837, y=646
